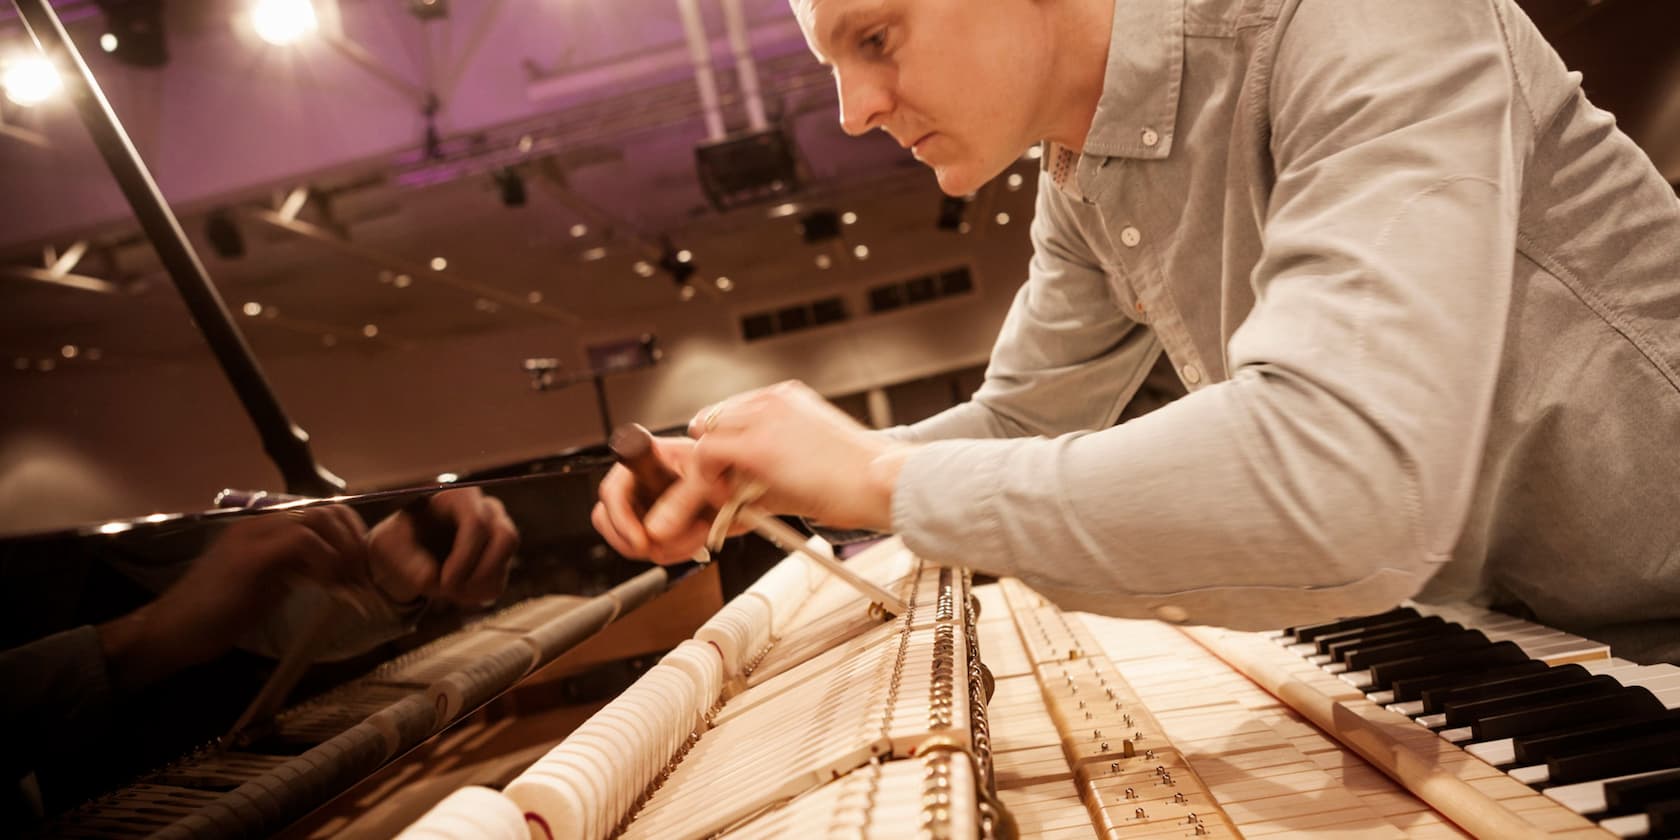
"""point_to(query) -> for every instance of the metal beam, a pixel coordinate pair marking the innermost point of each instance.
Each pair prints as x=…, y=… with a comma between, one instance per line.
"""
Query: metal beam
x=66, y=279
x=317, y=233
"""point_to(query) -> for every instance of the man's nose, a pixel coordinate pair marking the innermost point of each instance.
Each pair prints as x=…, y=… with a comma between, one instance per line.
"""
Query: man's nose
x=864, y=102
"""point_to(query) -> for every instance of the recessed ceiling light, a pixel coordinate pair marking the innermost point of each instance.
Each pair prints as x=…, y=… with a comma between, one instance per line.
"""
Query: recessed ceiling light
x=644, y=268
x=579, y=231
x=1003, y=218
x=370, y=330
x=861, y=252
x=783, y=210
x=252, y=309
x=724, y=284
x=687, y=292
x=439, y=263
x=848, y=218
x=823, y=261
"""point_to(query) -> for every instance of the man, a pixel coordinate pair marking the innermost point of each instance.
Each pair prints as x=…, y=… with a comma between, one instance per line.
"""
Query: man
x=1422, y=296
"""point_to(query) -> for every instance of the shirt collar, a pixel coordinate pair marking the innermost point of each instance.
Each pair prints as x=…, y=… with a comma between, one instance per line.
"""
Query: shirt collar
x=1142, y=82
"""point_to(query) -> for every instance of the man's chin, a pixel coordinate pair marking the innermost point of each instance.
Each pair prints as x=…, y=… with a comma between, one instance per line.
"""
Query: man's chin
x=957, y=180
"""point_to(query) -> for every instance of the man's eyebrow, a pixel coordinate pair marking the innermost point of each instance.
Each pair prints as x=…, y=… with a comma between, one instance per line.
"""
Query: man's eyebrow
x=847, y=21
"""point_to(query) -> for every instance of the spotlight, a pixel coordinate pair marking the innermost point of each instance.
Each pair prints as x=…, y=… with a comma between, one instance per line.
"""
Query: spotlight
x=428, y=9
x=951, y=212
x=674, y=263
x=223, y=234
x=819, y=226
x=511, y=185
x=136, y=32
x=29, y=80
x=282, y=22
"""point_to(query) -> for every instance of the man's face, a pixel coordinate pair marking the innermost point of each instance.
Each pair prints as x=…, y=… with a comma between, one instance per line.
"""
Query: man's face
x=956, y=82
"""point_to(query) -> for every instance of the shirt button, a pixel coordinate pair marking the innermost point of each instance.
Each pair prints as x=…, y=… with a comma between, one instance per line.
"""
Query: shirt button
x=1192, y=374
x=1130, y=236
x=1140, y=307
x=1150, y=138
x=1172, y=613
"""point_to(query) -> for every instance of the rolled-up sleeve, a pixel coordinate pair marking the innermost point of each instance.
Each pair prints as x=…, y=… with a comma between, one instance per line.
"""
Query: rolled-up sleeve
x=1332, y=472
x=1067, y=358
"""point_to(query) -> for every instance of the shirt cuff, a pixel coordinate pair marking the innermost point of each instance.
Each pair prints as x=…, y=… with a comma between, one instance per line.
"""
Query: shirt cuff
x=945, y=504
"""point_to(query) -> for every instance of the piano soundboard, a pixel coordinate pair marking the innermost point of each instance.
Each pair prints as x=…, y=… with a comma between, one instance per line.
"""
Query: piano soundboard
x=800, y=710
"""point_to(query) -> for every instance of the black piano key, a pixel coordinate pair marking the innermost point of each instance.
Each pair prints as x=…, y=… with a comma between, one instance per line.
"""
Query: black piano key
x=1624, y=702
x=1468, y=712
x=1459, y=640
x=1340, y=650
x=1664, y=819
x=1534, y=749
x=1409, y=678
x=1438, y=699
x=1633, y=756
x=1325, y=641
x=1631, y=794
x=1309, y=632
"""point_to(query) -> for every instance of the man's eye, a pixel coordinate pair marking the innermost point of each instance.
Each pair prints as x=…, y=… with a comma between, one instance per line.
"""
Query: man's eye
x=874, y=42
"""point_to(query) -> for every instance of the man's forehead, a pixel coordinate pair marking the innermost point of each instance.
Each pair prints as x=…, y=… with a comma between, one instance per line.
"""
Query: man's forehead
x=818, y=19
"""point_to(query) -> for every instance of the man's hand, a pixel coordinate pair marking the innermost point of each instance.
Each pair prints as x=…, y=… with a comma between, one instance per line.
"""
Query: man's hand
x=231, y=587
x=476, y=568
x=812, y=458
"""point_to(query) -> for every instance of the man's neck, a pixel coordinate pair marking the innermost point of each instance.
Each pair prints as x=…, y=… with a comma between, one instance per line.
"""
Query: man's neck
x=1085, y=27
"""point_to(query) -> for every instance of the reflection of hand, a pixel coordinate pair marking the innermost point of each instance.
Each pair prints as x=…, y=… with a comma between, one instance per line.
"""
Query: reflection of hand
x=476, y=570
x=231, y=587
x=814, y=460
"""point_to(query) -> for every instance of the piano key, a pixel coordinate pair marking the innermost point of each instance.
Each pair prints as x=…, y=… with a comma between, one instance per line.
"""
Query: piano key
x=1340, y=649
x=1437, y=700
x=1307, y=633
x=1589, y=797
x=1664, y=818
x=1636, y=755
x=1621, y=703
x=1640, y=791
x=1467, y=712
x=1632, y=825
x=1408, y=680
x=1326, y=643
x=1535, y=749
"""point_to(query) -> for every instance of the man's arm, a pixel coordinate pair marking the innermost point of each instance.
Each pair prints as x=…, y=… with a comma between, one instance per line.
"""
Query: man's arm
x=1332, y=473
x=1068, y=357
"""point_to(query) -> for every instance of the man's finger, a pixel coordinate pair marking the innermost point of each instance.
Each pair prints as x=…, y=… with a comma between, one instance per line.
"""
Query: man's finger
x=470, y=536
x=617, y=496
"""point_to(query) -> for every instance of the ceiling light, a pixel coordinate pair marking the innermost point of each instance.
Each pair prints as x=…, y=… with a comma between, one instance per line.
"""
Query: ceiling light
x=1015, y=180
x=370, y=330
x=69, y=351
x=685, y=256
x=30, y=80
x=848, y=218
x=401, y=281
x=593, y=254
x=579, y=231
x=1035, y=152
x=447, y=478
x=439, y=263
x=687, y=292
x=108, y=42
x=643, y=268
x=252, y=309
x=282, y=22
x=725, y=284
x=823, y=261
x=782, y=211
x=534, y=297
x=1003, y=218
x=861, y=252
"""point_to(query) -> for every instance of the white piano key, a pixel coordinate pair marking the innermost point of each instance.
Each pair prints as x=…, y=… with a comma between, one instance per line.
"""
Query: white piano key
x=1303, y=649
x=1434, y=720
x=1326, y=661
x=1632, y=825
x=1534, y=774
x=1411, y=708
x=1358, y=679
x=1587, y=797
x=1457, y=736
x=1497, y=753
x=1381, y=698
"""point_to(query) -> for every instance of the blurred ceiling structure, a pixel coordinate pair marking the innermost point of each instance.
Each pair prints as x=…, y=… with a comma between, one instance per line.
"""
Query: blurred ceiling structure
x=420, y=169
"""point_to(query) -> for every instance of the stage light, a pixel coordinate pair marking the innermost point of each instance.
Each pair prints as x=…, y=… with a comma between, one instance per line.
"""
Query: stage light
x=282, y=22
x=223, y=234
x=29, y=80
x=512, y=186
x=819, y=226
x=134, y=32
